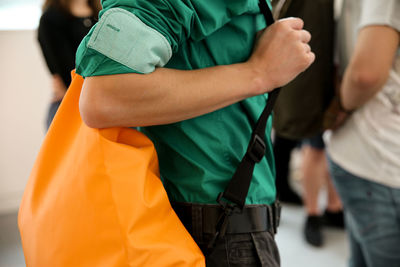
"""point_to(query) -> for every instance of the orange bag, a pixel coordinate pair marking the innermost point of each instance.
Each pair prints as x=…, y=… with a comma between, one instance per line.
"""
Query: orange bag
x=94, y=198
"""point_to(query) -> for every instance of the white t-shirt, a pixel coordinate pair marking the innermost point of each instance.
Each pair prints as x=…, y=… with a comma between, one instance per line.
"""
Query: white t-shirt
x=368, y=144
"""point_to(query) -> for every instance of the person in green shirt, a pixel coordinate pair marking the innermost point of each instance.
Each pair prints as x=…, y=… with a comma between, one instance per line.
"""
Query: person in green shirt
x=178, y=70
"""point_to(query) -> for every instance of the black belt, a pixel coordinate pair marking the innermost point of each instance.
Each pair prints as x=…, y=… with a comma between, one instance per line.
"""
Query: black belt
x=200, y=219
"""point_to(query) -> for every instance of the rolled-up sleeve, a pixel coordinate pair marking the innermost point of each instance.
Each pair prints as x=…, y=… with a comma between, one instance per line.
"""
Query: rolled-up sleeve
x=137, y=36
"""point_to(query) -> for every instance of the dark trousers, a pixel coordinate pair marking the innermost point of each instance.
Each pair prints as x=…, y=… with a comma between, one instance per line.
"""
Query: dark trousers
x=282, y=151
x=248, y=241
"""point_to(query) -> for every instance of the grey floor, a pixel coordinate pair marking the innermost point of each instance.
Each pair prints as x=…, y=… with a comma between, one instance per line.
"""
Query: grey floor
x=294, y=250
x=11, y=254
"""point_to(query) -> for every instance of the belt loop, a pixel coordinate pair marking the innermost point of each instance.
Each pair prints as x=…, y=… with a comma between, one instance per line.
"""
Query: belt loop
x=270, y=219
x=197, y=223
x=276, y=214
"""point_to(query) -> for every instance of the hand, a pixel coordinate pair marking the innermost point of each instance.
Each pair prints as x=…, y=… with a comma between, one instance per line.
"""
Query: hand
x=334, y=116
x=59, y=88
x=281, y=53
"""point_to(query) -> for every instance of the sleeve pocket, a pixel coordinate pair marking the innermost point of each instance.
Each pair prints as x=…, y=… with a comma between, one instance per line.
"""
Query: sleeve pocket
x=124, y=38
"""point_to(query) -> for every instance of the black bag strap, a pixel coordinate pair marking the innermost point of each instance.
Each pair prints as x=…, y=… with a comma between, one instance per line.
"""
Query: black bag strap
x=234, y=197
x=238, y=187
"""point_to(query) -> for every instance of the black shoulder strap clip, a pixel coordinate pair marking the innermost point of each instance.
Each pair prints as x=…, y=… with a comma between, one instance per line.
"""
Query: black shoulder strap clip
x=234, y=197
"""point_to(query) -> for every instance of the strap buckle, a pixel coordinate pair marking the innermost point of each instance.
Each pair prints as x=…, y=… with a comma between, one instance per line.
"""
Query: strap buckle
x=227, y=210
x=257, y=147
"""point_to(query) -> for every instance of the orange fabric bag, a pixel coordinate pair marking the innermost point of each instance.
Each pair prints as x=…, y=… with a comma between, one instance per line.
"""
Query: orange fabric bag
x=94, y=198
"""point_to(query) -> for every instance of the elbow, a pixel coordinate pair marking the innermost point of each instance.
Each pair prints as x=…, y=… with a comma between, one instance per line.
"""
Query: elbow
x=367, y=78
x=92, y=109
x=91, y=117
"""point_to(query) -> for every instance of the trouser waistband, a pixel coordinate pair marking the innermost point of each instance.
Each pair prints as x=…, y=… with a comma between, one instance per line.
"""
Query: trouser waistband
x=202, y=219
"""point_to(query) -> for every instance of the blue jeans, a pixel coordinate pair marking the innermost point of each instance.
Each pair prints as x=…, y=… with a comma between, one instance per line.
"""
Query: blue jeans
x=372, y=214
x=52, y=112
x=316, y=142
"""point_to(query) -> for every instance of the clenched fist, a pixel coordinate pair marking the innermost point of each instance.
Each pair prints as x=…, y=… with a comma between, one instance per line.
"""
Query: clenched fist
x=281, y=53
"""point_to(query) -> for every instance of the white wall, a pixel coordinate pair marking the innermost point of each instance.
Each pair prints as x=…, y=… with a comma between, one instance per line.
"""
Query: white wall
x=24, y=96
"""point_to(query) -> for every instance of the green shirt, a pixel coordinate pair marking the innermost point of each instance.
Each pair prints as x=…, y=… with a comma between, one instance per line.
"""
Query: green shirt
x=198, y=156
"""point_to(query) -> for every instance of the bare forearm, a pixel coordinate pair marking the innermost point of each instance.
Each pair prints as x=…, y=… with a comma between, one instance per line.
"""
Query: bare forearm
x=370, y=65
x=355, y=91
x=167, y=95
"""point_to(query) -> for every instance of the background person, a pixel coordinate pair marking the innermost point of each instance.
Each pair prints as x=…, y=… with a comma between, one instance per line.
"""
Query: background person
x=365, y=151
x=299, y=116
x=62, y=27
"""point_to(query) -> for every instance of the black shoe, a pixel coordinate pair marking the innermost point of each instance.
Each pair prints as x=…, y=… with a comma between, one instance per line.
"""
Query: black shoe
x=290, y=197
x=313, y=231
x=333, y=219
